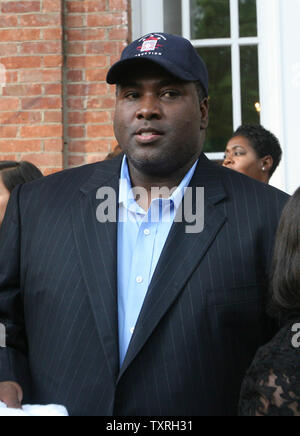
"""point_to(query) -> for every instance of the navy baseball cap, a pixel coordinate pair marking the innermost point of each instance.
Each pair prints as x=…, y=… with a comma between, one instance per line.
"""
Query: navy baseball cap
x=173, y=53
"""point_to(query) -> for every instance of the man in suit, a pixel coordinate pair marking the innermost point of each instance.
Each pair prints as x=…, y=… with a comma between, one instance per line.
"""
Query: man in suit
x=139, y=316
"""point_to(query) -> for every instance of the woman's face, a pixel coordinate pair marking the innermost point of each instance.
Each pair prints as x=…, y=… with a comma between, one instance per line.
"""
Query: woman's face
x=4, y=197
x=240, y=156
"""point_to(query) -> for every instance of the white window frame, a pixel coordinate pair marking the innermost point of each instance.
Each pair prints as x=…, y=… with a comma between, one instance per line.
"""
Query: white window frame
x=145, y=15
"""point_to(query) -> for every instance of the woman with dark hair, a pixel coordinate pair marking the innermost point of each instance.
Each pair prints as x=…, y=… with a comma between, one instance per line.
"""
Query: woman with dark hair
x=272, y=384
x=253, y=151
x=116, y=151
x=13, y=174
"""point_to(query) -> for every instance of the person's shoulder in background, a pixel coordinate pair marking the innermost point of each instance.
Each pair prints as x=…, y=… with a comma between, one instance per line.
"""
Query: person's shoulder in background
x=272, y=383
x=228, y=174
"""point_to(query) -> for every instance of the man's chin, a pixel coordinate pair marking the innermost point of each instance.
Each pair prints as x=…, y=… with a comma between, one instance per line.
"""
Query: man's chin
x=153, y=165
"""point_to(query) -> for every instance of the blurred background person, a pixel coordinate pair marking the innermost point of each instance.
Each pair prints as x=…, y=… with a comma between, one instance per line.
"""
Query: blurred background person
x=116, y=151
x=13, y=174
x=272, y=384
x=253, y=151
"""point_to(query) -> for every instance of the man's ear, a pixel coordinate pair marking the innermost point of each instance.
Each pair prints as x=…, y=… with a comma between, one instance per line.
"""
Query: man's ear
x=204, y=109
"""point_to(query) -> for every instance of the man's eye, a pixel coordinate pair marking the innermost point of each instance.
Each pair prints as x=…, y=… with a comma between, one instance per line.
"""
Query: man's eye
x=132, y=95
x=170, y=94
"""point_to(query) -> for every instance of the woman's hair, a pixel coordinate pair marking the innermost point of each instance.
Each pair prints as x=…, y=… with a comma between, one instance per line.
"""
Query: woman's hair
x=17, y=173
x=262, y=141
x=285, y=274
x=116, y=152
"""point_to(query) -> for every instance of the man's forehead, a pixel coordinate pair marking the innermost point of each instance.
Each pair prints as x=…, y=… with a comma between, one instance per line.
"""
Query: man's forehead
x=147, y=71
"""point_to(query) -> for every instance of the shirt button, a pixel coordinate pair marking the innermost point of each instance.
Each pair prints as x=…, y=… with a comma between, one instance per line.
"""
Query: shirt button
x=147, y=232
x=139, y=279
x=132, y=330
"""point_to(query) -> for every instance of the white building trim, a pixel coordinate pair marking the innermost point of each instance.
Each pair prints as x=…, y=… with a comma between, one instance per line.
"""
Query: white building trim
x=147, y=17
x=270, y=76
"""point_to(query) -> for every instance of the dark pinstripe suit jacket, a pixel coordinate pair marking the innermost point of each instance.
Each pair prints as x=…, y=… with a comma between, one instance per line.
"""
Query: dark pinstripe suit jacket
x=202, y=319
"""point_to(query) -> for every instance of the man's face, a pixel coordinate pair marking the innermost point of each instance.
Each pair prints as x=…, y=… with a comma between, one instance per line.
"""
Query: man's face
x=158, y=121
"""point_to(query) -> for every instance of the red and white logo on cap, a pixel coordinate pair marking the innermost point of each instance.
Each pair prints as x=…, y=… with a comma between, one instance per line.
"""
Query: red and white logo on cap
x=151, y=43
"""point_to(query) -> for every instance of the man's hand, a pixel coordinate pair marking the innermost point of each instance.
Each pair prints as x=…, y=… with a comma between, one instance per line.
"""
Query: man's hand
x=11, y=394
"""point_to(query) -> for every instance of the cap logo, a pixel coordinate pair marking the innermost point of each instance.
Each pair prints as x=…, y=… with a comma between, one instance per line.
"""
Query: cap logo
x=151, y=45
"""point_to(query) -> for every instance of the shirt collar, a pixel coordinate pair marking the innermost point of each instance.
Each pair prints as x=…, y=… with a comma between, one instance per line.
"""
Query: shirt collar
x=125, y=192
x=126, y=195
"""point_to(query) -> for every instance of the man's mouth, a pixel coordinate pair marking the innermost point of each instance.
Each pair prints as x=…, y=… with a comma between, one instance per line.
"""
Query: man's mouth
x=147, y=136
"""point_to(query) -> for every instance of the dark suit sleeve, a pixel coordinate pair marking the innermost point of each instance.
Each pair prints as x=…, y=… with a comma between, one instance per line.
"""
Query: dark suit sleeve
x=13, y=360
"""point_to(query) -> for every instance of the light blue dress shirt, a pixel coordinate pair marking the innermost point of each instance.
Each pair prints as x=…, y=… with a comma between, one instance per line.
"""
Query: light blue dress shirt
x=141, y=238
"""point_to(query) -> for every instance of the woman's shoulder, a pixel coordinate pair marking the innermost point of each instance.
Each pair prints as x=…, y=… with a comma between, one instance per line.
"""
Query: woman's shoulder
x=281, y=353
x=272, y=383
x=286, y=341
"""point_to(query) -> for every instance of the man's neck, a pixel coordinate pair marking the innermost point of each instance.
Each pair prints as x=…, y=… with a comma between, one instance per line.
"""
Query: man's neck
x=148, y=182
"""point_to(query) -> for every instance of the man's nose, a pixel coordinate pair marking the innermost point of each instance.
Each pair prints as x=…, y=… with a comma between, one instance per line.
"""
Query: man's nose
x=149, y=108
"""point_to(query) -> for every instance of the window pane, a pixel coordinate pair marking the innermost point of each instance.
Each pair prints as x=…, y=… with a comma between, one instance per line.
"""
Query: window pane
x=250, y=85
x=172, y=17
x=218, y=61
x=210, y=19
x=248, y=20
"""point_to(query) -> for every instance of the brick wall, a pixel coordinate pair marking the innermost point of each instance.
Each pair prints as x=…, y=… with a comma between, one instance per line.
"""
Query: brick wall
x=56, y=109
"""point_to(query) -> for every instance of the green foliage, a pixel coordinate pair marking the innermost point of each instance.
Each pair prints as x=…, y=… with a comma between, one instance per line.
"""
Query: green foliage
x=248, y=20
x=210, y=19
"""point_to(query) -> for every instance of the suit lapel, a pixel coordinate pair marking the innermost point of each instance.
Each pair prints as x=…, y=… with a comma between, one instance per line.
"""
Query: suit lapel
x=180, y=257
x=96, y=245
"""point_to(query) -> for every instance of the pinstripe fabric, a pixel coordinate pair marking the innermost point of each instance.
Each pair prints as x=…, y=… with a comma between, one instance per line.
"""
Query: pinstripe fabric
x=203, y=315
